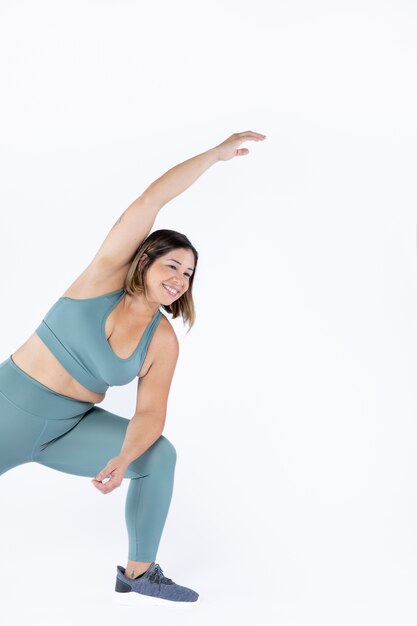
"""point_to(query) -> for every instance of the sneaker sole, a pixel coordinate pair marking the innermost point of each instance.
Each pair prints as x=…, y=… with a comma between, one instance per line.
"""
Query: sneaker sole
x=132, y=598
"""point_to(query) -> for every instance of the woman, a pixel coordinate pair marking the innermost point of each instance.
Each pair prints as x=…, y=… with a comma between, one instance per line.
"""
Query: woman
x=106, y=329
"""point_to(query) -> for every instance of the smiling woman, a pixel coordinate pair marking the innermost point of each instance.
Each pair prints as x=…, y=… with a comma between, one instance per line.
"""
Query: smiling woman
x=166, y=259
x=106, y=329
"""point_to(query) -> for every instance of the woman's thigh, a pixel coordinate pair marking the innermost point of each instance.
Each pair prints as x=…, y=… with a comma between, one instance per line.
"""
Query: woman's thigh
x=19, y=433
x=85, y=449
x=30, y=415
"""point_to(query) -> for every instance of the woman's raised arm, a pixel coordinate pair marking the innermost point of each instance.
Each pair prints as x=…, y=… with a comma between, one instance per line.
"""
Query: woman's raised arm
x=135, y=223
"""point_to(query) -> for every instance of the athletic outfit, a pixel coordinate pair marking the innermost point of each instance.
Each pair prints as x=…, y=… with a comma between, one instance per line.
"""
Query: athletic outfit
x=73, y=436
x=74, y=331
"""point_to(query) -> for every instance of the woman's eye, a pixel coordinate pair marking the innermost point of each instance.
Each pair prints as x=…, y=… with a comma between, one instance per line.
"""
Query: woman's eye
x=174, y=268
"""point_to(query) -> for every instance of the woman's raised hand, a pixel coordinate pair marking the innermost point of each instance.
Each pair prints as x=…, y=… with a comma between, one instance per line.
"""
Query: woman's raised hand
x=116, y=469
x=229, y=148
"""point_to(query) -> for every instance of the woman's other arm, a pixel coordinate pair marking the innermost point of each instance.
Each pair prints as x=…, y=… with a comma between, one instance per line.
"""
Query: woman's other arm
x=148, y=422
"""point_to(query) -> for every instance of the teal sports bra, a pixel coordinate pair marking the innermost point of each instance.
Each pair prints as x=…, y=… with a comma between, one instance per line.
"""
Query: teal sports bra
x=74, y=331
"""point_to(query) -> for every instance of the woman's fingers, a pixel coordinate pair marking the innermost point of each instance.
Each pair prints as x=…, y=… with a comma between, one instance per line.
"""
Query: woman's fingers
x=230, y=147
x=249, y=134
x=109, y=478
x=110, y=467
x=101, y=475
x=105, y=487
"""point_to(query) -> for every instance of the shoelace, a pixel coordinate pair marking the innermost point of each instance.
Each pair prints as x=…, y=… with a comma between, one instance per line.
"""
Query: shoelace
x=157, y=576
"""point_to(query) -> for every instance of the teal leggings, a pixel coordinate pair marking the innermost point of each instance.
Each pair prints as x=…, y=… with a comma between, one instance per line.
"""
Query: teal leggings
x=76, y=437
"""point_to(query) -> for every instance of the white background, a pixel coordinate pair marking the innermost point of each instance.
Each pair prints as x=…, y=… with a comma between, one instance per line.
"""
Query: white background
x=293, y=407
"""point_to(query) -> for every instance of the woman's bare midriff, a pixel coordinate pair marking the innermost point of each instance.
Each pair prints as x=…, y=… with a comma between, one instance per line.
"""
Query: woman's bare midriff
x=36, y=360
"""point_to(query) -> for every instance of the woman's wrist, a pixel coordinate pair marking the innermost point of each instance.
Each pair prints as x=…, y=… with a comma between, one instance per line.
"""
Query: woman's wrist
x=126, y=458
x=215, y=152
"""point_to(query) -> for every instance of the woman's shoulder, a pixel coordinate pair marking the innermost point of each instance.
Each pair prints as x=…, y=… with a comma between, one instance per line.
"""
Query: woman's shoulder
x=166, y=331
x=165, y=339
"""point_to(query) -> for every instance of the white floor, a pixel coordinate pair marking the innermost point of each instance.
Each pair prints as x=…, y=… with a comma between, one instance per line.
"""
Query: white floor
x=66, y=602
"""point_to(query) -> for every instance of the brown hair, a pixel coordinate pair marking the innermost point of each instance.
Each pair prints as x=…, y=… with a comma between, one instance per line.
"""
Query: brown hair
x=157, y=244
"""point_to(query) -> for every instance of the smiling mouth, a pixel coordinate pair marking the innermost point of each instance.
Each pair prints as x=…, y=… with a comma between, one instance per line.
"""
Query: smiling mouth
x=171, y=290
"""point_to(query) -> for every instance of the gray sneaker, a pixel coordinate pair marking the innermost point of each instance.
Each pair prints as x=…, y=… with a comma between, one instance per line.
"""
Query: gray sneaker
x=152, y=587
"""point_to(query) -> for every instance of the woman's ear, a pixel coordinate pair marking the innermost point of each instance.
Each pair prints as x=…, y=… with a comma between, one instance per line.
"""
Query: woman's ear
x=142, y=261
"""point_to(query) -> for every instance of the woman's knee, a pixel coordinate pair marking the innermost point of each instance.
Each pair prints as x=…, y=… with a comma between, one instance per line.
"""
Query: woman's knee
x=161, y=456
x=165, y=451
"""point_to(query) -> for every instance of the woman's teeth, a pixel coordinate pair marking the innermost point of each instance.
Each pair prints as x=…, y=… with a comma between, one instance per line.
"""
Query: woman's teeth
x=171, y=291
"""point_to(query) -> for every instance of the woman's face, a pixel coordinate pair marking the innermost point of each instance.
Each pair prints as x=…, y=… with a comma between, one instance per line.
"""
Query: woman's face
x=168, y=278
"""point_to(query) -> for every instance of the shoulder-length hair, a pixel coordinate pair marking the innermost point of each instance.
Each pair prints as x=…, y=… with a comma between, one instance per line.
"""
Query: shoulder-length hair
x=157, y=244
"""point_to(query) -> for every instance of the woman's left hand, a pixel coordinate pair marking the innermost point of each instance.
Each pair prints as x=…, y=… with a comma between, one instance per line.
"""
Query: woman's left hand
x=116, y=469
x=229, y=148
